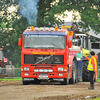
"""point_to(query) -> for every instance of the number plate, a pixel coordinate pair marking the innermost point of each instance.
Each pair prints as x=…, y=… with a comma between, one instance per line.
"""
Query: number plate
x=43, y=76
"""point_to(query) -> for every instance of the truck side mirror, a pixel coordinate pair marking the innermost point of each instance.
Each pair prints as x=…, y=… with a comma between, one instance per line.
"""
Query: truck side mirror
x=69, y=43
x=19, y=42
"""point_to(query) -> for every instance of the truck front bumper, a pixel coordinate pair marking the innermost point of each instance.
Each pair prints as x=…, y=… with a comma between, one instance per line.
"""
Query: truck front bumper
x=41, y=76
x=45, y=80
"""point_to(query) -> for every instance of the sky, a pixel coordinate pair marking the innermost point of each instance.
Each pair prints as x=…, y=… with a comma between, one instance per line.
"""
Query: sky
x=70, y=16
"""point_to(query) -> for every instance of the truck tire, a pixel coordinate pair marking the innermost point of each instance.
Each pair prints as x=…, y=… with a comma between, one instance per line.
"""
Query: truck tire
x=76, y=77
x=25, y=82
x=37, y=81
x=72, y=80
x=66, y=80
x=85, y=72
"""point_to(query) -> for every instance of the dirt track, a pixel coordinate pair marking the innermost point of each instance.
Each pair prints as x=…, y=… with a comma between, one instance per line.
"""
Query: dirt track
x=14, y=90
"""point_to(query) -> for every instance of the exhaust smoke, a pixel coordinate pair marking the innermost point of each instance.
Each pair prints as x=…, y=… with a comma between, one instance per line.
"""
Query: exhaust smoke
x=28, y=9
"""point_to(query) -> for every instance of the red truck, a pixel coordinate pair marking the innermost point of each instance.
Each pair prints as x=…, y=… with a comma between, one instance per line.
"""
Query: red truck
x=45, y=56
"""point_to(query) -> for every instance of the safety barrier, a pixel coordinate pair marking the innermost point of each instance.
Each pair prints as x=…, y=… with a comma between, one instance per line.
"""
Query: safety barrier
x=16, y=72
x=10, y=72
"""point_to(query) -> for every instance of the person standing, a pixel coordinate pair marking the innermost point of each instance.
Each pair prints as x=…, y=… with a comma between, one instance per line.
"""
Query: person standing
x=92, y=67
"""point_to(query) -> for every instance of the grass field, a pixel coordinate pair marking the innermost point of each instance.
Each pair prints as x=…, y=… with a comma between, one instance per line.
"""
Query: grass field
x=19, y=79
x=98, y=98
x=10, y=79
x=98, y=80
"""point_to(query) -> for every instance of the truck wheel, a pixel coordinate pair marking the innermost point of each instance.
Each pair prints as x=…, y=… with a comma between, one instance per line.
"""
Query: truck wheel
x=66, y=80
x=85, y=72
x=76, y=79
x=25, y=82
x=72, y=80
x=37, y=81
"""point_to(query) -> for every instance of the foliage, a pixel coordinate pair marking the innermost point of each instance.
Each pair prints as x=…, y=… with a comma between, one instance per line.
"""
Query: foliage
x=12, y=24
x=19, y=25
x=88, y=11
x=98, y=80
x=48, y=11
x=95, y=98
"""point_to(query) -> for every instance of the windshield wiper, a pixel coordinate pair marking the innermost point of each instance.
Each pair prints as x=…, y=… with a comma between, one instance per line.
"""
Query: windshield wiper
x=57, y=45
x=27, y=47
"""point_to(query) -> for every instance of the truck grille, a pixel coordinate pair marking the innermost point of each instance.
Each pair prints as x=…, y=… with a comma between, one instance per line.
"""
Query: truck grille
x=43, y=59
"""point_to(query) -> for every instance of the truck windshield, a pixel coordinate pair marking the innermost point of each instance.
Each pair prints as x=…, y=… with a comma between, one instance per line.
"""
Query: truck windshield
x=44, y=41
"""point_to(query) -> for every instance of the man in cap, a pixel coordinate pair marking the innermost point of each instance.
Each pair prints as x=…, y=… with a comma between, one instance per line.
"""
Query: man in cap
x=92, y=67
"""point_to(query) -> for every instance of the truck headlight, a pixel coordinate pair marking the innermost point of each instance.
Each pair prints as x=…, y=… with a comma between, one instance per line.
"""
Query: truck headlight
x=60, y=74
x=26, y=68
x=60, y=69
x=50, y=70
x=45, y=70
x=40, y=70
x=36, y=70
x=26, y=74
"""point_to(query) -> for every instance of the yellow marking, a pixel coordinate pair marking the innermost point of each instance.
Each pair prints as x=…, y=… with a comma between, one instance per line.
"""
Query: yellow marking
x=54, y=53
x=70, y=33
x=66, y=27
x=51, y=53
x=33, y=52
x=36, y=52
x=44, y=53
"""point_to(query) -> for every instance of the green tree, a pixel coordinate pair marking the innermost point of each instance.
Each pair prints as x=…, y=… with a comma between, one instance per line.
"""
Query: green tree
x=12, y=24
x=5, y=23
x=47, y=9
x=19, y=25
x=88, y=11
x=47, y=16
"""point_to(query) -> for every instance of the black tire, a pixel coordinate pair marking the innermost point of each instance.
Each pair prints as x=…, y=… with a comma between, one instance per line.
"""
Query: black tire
x=25, y=82
x=72, y=80
x=76, y=77
x=36, y=81
x=66, y=80
x=85, y=72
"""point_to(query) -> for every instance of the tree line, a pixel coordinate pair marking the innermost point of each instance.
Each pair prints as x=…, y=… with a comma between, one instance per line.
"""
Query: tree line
x=12, y=24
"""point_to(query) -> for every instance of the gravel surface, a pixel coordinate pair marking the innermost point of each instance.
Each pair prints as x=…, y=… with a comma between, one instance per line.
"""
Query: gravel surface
x=14, y=90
